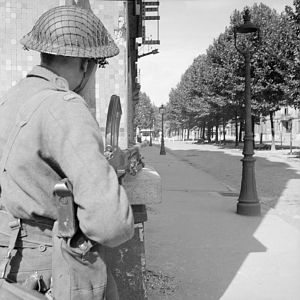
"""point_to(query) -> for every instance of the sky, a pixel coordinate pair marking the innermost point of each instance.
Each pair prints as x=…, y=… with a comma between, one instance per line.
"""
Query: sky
x=186, y=29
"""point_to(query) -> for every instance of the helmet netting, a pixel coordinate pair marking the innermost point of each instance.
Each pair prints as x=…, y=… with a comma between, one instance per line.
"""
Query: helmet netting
x=70, y=31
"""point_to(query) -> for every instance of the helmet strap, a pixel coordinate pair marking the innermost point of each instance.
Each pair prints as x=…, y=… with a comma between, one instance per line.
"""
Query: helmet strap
x=81, y=85
x=88, y=68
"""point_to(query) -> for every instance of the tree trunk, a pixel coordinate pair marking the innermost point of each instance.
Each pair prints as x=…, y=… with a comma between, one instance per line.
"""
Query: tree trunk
x=217, y=133
x=241, y=130
x=224, y=133
x=188, y=134
x=261, y=132
x=209, y=132
x=272, y=131
x=217, y=130
x=203, y=130
x=236, y=130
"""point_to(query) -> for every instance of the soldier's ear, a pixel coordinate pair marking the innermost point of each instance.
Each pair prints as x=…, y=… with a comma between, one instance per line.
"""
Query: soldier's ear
x=84, y=65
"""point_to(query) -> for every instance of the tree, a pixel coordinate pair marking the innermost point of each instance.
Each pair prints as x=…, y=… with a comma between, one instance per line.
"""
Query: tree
x=290, y=52
x=144, y=112
x=211, y=91
x=187, y=105
x=267, y=67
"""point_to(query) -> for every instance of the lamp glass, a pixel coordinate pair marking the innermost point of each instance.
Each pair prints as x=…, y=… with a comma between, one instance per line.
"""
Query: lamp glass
x=247, y=28
x=162, y=110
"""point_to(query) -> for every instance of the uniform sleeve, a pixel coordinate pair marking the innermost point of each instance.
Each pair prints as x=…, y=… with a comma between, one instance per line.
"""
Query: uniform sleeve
x=74, y=142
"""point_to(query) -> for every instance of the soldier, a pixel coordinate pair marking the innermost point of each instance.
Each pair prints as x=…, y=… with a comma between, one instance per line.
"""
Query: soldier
x=57, y=138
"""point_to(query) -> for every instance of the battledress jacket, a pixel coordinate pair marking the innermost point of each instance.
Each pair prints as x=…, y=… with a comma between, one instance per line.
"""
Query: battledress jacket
x=61, y=140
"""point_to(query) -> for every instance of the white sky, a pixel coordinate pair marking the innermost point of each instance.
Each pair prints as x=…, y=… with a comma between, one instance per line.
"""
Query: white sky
x=186, y=29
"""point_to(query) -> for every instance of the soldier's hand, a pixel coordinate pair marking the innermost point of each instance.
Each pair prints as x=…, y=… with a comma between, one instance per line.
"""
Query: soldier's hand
x=116, y=159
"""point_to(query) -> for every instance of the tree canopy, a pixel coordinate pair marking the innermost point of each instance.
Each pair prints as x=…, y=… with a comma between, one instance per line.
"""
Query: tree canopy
x=211, y=90
x=144, y=116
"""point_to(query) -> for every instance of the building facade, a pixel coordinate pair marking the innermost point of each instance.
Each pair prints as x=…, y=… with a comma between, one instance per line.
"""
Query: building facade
x=286, y=128
x=17, y=18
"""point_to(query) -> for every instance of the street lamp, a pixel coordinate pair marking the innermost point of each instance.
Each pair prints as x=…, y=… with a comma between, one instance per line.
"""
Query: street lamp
x=248, y=202
x=151, y=125
x=162, y=145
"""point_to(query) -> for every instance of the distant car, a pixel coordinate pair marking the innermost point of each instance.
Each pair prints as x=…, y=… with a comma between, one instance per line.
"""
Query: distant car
x=145, y=134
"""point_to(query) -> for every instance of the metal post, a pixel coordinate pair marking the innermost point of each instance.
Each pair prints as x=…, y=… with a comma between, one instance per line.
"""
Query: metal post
x=162, y=145
x=248, y=202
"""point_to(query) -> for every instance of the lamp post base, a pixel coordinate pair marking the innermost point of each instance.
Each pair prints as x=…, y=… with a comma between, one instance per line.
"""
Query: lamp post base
x=248, y=209
x=162, y=147
x=248, y=202
x=162, y=152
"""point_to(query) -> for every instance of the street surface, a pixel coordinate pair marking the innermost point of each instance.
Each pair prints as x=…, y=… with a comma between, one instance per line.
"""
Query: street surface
x=277, y=173
x=197, y=247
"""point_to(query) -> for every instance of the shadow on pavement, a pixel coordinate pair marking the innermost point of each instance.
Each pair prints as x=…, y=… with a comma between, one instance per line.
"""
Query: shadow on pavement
x=257, y=147
x=194, y=235
x=271, y=178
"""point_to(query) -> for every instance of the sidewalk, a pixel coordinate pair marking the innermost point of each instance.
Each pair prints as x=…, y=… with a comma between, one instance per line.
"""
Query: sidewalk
x=203, y=250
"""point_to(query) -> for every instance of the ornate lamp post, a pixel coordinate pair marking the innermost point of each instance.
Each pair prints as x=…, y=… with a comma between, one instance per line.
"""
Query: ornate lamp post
x=248, y=202
x=150, y=132
x=162, y=145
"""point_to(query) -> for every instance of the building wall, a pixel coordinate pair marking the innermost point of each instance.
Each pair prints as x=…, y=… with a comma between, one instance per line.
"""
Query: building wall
x=17, y=18
x=283, y=134
x=113, y=79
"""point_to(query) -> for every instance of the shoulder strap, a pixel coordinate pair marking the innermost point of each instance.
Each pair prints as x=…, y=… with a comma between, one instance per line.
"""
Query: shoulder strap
x=24, y=115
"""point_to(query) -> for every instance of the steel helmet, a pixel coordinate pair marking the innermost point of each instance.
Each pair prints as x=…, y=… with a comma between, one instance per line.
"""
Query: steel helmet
x=70, y=31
